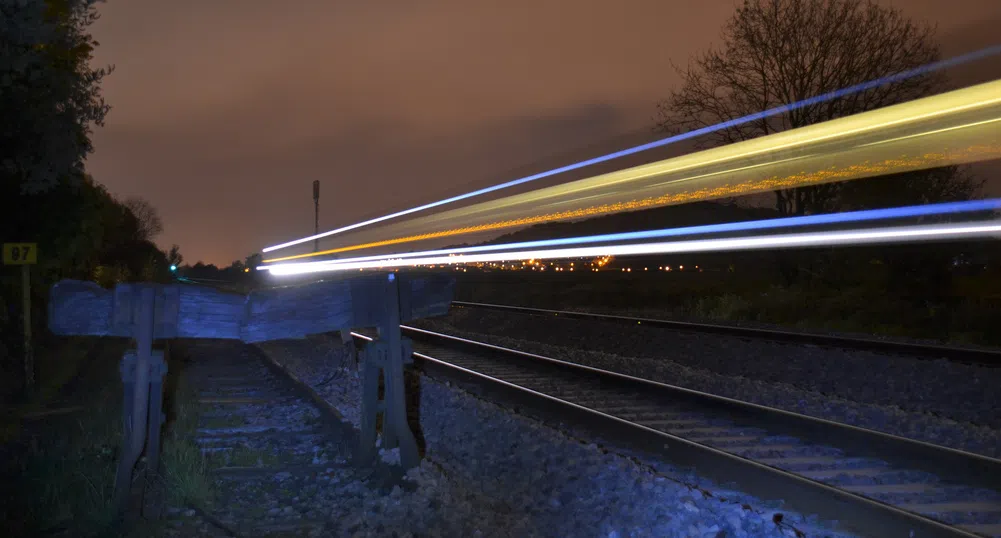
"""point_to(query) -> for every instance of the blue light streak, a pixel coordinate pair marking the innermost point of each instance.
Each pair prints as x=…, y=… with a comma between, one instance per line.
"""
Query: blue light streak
x=851, y=237
x=948, y=208
x=903, y=75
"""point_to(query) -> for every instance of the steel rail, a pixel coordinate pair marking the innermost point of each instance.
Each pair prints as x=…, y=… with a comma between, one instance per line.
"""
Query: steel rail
x=986, y=357
x=444, y=355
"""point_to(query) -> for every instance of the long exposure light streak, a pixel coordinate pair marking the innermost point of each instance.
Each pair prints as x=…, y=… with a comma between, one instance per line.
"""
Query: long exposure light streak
x=898, y=234
x=949, y=208
x=750, y=186
x=946, y=129
x=903, y=75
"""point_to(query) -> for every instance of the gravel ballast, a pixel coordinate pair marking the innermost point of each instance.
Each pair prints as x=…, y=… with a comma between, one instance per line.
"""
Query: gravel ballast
x=489, y=472
x=932, y=400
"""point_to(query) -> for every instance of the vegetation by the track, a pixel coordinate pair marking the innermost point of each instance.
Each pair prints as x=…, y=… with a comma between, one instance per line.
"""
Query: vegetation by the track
x=963, y=314
x=184, y=468
x=60, y=450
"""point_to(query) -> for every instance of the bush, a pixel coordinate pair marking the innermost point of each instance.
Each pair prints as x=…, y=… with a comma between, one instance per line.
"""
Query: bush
x=726, y=307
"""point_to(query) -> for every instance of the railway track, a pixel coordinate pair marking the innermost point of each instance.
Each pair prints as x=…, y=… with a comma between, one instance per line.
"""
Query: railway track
x=986, y=357
x=873, y=483
x=278, y=458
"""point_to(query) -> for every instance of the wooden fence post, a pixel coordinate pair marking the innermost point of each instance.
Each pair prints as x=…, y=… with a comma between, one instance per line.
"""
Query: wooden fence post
x=136, y=378
x=385, y=356
x=148, y=312
x=126, y=461
x=155, y=420
x=399, y=434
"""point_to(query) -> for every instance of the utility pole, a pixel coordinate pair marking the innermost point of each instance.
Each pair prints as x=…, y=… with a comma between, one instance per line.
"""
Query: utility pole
x=316, y=214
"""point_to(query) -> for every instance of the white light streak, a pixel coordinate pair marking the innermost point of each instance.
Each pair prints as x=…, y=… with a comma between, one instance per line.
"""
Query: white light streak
x=897, y=234
x=784, y=109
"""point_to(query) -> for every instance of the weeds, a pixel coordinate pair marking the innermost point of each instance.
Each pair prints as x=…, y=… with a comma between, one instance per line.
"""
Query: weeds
x=72, y=482
x=185, y=469
x=853, y=310
x=60, y=468
x=721, y=307
x=866, y=303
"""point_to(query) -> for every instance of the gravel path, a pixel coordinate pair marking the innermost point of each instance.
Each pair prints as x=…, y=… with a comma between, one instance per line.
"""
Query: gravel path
x=278, y=470
x=935, y=401
x=495, y=473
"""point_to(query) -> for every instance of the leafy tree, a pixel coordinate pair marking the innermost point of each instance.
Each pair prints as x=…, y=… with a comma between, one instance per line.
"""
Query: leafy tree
x=776, y=52
x=201, y=270
x=49, y=94
x=253, y=261
x=49, y=100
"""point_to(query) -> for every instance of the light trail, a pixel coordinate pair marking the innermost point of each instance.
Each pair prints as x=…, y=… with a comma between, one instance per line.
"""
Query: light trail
x=747, y=187
x=935, y=66
x=950, y=208
x=898, y=234
x=946, y=129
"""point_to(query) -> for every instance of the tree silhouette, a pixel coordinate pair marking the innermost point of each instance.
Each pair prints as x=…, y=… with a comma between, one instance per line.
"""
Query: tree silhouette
x=174, y=256
x=49, y=94
x=777, y=52
x=148, y=219
x=253, y=260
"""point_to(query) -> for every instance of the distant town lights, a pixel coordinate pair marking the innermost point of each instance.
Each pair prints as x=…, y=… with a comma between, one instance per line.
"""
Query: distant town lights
x=895, y=234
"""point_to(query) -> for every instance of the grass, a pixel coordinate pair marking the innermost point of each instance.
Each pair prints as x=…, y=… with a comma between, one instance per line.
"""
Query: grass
x=874, y=303
x=59, y=361
x=184, y=467
x=852, y=310
x=59, y=469
x=722, y=307
x=72, y=476
x=56, y=372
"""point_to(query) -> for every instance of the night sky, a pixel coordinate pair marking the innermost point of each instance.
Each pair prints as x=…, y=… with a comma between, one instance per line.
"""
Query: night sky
x=224, y=112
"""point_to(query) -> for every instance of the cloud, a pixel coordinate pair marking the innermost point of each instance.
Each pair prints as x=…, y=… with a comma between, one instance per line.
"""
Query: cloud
x=225, y=112
x=224, y=203
x=971, y=37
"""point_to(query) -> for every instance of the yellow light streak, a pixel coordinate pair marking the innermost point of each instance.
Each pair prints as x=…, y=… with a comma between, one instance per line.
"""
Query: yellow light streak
x=832, y=174
x=921, y=116
x=936, y=131
x=950, y=128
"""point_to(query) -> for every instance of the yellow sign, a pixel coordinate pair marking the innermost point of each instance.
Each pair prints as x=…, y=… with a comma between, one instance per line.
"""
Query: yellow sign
x=20, y=253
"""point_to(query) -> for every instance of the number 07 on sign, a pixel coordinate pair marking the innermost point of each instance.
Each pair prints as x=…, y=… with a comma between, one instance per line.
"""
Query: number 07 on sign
x=20, y=254
x=24, y=254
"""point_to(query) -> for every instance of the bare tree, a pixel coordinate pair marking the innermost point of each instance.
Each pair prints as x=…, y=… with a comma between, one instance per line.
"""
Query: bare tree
x=174, y=256
x=776, y=52
x=148, y=219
